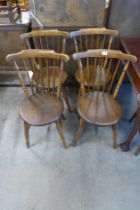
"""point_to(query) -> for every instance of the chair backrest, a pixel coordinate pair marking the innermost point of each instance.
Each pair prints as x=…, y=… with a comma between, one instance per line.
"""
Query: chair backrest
x=46, y=39
x=93, y=38
x=39, y=64
x=111, y=60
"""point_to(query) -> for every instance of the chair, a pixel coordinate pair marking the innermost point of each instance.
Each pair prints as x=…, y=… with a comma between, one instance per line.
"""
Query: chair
x=51, y=40
x=42, y=106
x=100, y=106
x=92, y=38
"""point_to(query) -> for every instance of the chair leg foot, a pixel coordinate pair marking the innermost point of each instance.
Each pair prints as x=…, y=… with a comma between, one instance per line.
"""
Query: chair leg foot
x=124, y=147
x=61, y=134
x=137, y=151
x=135, y=128
x=115, y=131
x=79, y=132
x=26, y=133
x=66, y=98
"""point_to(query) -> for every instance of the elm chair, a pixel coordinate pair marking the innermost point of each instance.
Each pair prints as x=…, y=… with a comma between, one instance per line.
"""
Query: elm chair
x=92, y=38
x=100, y=106
x=50, y=40
x=42, y=106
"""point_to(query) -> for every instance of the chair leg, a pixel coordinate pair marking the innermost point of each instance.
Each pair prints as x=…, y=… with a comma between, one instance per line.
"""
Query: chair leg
x=61, y=134
x=137, y=150
x=79, y=132
x=66, y=98
x=26, y=133
x=115, y=129
x=62, y=116
x=132, y=118
x=136, y=126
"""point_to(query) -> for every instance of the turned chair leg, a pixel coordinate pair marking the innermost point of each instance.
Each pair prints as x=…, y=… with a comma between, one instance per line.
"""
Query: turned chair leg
x=125, y=146
x=115, y=134
x=132, y=118
x=26, y=133
x=61, y=134
x=137, y=150
x=66, y=98
x=79, y=132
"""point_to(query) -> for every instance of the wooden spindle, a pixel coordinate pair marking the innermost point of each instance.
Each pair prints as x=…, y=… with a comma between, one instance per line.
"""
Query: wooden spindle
x=97, y=42
x=26, y=92
x=107, y=73
x=29, y=76
x=86, y=42
x=63, y=45
x=81, y=44
x=110, y=42
x=120, y=80
x=113, y=76
x=88, y=74
x=92, y=42
x=40, y=42
x=100, y=68
x=28, y=43
x=47, y=61
x=76, y=46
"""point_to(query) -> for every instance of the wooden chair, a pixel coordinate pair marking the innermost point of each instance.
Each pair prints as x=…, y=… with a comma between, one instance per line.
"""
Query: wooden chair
x=100, y=106
x=42, y=106
x=92, y=38
x=51, y=40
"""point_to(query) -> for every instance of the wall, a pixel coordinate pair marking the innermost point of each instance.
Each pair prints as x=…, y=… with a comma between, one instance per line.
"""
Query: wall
x=70, y=12
x=10, y=43
x=125, y=16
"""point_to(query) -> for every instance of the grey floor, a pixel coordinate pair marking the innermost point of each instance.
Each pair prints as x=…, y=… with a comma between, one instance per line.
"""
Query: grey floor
x=91, y=176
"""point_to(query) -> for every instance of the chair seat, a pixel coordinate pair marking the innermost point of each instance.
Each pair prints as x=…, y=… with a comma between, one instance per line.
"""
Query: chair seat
x=58, y=71
x=94, y=75
x=99, y=108
x=41, y=109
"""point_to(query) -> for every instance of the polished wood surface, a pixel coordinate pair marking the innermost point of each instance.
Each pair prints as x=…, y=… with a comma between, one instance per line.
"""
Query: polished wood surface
x=100, y=106
x=41, y=109
x=42, y=105
x=132, y=45
x=51, y=40
x=92, y=38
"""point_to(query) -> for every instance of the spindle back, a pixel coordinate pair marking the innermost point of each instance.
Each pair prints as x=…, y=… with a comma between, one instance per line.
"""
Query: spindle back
x=111, y=60
x=46, y=39
x=39, y=64
x=93, y=38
